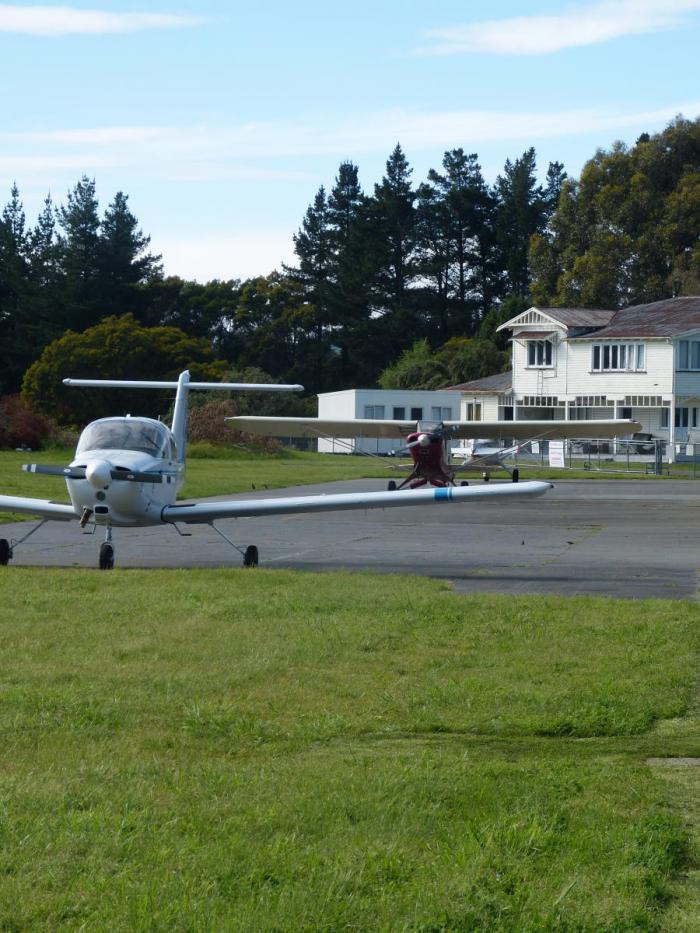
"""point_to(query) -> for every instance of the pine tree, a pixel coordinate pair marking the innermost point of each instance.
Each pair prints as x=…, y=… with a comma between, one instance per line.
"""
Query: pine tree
x=80, y=255
x=394, y=198
x=14, y=338
x=313, y=244
x=521, y=214
x=124, y=262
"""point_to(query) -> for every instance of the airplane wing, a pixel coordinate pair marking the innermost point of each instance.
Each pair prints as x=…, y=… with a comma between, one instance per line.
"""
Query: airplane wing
x=57, y=511
x=322, y=427
x=206, y=512
x=542, y=430
x=366, y=427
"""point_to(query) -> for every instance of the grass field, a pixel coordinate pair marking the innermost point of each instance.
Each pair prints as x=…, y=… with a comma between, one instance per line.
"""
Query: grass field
x=269, y=750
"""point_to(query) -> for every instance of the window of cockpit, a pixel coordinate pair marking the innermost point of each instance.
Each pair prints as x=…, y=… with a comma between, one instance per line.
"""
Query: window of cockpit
x=126, y=434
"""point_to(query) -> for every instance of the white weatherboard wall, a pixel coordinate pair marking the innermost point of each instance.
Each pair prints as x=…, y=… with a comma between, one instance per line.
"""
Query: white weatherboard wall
x=352, y=403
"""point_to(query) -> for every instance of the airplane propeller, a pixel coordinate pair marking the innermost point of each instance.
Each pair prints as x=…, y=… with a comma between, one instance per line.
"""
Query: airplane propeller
x=425, y=438
x=80, y=472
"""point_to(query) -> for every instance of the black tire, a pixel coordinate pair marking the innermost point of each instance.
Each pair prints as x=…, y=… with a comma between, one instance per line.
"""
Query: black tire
x=391, y=486
x=464, y=482
x=250, y=558
x=5, y=552
x=106, y=556
x=487, y=478
x=515, y=475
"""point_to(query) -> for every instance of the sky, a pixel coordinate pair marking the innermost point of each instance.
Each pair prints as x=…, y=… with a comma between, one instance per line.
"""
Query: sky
x=221, y=120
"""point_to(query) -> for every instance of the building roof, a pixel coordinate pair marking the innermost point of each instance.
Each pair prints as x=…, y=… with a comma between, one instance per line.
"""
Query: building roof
x=667, y=318
x=501, y=382
x=580, y=317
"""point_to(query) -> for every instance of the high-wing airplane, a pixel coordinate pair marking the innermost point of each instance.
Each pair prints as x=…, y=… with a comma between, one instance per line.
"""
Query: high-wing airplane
x=429, y=442
x=127, y=472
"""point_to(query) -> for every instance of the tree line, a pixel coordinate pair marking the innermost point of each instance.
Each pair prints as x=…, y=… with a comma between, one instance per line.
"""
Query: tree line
x=403, y=285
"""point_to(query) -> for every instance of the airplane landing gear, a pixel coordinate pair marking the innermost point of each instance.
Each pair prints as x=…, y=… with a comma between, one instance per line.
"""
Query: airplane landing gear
x=7, y=548
x=391, y=485
x=107, y=552
x=487, y=477
x=250, y=555
x=515, y=475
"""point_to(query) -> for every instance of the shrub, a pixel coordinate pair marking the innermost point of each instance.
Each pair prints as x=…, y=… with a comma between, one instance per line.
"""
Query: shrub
x=21, y=426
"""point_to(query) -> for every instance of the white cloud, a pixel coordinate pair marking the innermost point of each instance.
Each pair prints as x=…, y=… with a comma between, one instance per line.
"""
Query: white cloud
x=223, y=257
x=242, y=153
x=66, y=20
x=580, y=26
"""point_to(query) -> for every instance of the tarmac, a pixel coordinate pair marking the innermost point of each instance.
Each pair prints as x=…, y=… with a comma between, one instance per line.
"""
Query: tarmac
x=623, y=538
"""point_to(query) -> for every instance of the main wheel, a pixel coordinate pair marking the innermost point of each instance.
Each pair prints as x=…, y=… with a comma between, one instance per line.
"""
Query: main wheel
x=464, y=482
x=515, y=475
x=5, y=552
x=391, y=486
x=250, y=558
x=487, y=477
x=106, y=556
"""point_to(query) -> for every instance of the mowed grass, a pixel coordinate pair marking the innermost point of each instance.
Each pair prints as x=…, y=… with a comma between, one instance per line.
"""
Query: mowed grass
x=269, y=750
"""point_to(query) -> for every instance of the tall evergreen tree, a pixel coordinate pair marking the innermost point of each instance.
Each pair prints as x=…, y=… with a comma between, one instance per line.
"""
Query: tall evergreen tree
x=394, y=201
x=521, y=214
x=80, y=255
x=124, y=262
x=14, y=336
x=313, y=245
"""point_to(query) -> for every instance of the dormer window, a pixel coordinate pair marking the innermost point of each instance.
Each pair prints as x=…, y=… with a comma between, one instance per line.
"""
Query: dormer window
x=539, y=353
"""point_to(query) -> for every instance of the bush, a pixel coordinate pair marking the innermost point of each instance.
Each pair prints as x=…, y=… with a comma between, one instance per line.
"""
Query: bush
x=207, y=424
x=21, y=426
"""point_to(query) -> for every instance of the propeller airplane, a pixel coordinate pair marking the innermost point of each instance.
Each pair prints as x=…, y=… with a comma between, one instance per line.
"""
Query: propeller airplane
x=429, y=442
x=127, y=472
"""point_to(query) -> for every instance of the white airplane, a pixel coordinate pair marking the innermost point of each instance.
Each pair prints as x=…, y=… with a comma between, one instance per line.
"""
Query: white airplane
x=429, y=442
x=127, y=472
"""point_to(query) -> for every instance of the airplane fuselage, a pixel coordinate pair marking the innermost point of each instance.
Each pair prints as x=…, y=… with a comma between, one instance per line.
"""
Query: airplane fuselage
x=110, y=500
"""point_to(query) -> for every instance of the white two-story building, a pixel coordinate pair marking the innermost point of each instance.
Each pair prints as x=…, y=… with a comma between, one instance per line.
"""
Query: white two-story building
x=642, y=362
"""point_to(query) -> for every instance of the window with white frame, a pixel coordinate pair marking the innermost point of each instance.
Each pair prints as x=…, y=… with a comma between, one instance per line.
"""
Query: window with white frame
x=688, y=354
x=539, y=353
x=473, y=411
x=686, y=417
x=441, y=413
x=618, y=357
x=374, y=411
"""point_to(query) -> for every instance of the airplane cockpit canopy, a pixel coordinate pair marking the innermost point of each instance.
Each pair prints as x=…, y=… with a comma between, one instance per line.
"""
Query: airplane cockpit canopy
x=148, y=437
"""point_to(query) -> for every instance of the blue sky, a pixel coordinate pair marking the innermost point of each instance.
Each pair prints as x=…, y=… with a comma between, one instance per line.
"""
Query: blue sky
x=221, y=120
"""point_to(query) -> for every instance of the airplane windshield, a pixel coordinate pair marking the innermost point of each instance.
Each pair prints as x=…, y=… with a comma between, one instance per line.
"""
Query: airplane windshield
x=126, y=434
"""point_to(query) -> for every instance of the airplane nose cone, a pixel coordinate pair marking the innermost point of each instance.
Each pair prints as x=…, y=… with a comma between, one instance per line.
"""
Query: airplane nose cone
x=98, y=473
x=424, y=440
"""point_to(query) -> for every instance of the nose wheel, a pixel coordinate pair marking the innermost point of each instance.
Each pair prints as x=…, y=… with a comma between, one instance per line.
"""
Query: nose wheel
x=107, y=552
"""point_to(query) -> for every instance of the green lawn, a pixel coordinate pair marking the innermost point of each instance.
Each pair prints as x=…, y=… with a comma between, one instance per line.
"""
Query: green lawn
x=269, y=750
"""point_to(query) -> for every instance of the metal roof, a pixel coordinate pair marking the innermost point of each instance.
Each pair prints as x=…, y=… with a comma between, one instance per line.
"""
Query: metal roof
x=501, y=382
x=580, y=317
x=667, y=318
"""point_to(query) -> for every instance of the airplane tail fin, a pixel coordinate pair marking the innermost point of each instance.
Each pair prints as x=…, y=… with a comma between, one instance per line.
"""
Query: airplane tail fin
x=182, y=387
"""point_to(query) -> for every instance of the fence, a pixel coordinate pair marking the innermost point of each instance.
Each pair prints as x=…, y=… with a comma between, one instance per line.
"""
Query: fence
x=612, y=455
